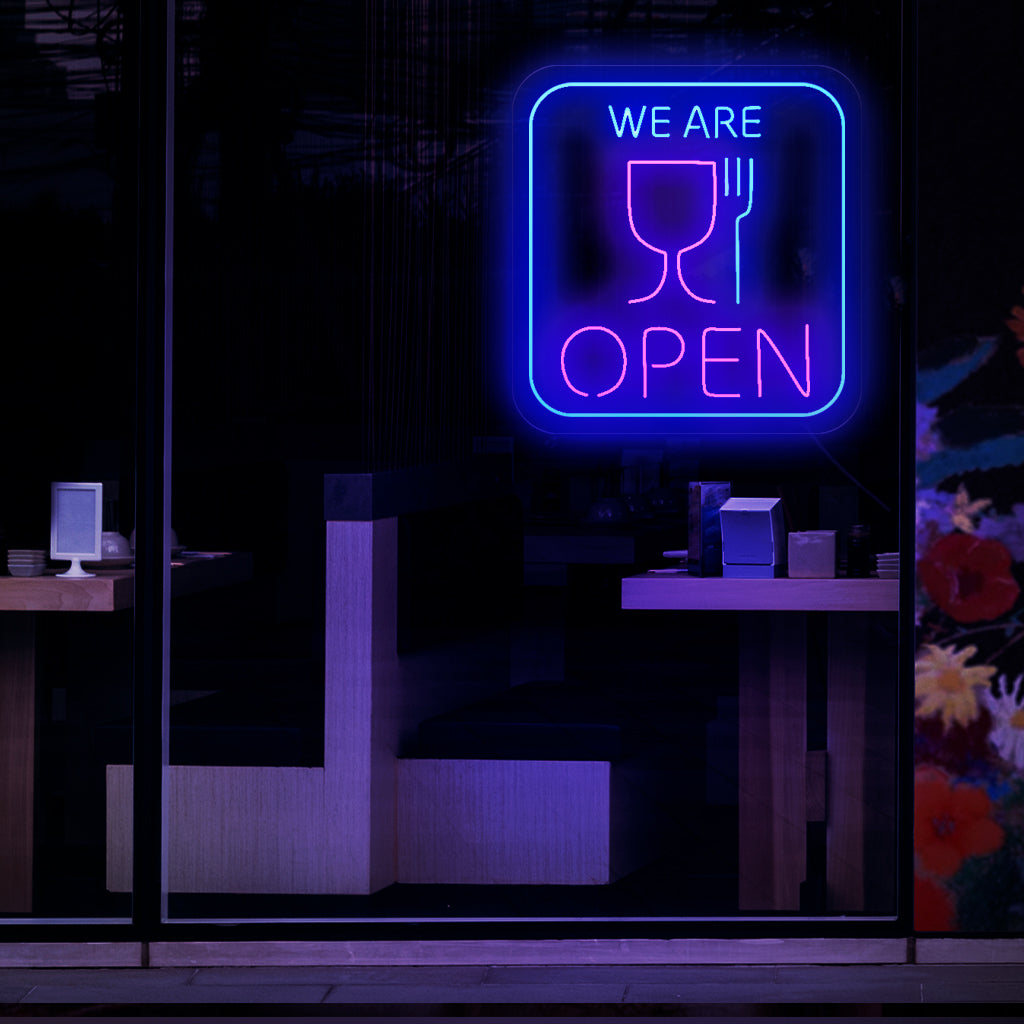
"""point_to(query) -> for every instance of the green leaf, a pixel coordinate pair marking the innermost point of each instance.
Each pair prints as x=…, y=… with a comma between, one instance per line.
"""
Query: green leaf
x=970, y=424
x=989, y=891
x=953, y=462
x=934, y=382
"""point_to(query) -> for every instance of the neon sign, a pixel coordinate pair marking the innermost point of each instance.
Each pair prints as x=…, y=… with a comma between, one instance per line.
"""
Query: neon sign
x=682, y=251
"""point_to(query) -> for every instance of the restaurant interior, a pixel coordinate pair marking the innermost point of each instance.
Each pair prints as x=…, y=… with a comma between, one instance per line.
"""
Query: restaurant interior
x=402, y=681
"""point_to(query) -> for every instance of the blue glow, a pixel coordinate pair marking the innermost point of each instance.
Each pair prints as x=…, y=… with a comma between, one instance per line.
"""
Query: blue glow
x=787, y=358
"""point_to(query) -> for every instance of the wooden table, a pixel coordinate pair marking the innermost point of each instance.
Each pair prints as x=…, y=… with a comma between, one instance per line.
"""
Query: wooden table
x=782, y=785
x=21, y=599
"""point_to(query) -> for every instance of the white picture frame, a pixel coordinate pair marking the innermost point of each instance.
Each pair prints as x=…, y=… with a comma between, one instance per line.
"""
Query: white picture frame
x=76, y=525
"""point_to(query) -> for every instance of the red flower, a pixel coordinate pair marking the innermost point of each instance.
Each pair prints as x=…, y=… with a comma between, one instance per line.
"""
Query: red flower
x=1016, y=322
x=969, y=577
x=951, y=823
x=1016, y=325
x=933, y=906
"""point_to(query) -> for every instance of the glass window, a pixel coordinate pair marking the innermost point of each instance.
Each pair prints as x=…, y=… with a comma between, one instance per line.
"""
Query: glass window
x=407, y=679
x=68, y=290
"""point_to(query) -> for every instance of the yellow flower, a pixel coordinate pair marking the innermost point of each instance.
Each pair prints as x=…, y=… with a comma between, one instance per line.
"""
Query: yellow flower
x=964, y=510
x=944, y=684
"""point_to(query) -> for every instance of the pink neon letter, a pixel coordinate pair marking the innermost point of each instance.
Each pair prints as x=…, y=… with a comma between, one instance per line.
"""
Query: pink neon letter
x=707, y=234
x=806, y=389
x=622, y=376
x=661, y=366
x=664, y=252
x=636, y=234
x=705, y=359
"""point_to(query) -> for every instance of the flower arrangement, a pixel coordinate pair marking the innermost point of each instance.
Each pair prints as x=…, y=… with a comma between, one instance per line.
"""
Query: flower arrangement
x=969, y=665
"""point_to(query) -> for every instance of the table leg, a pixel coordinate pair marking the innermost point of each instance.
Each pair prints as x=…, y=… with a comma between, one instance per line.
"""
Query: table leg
x=847, y=667
x=861, y=758
x=772, y=763
x=17, y=759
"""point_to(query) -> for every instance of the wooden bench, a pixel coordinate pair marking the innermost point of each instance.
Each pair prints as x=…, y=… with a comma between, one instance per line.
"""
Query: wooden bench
x=369, y=817
x=534, y=785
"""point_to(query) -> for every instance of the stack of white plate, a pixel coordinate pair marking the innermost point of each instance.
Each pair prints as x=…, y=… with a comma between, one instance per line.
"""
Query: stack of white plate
x=888, y=565
x=26, y=561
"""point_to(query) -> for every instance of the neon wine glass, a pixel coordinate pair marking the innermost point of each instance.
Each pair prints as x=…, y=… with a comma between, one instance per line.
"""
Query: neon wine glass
x=666, y=201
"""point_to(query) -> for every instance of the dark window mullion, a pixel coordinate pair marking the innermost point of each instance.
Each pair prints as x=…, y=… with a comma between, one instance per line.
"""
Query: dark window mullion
x=154, y=38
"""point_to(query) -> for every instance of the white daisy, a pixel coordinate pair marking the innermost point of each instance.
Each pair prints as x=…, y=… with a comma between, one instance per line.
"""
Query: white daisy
x=1005, y=702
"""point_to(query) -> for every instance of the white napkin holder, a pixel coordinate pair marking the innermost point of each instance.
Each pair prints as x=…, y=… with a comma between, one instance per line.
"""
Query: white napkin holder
x=753, y=538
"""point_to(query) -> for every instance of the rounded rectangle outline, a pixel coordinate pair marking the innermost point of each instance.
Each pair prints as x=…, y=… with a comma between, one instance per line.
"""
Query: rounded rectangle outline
x=842, y=246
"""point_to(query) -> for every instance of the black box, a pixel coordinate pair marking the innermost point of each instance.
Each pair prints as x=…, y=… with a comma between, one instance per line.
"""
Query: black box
x=704, y=552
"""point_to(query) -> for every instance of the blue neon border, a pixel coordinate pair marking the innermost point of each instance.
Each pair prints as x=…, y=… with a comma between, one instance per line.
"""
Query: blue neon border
x=688, y=415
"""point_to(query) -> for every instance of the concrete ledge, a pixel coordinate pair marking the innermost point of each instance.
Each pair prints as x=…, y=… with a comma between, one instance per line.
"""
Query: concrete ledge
x=543, y=952
x=553, y=952
x=970, y=951
x=70, y=954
